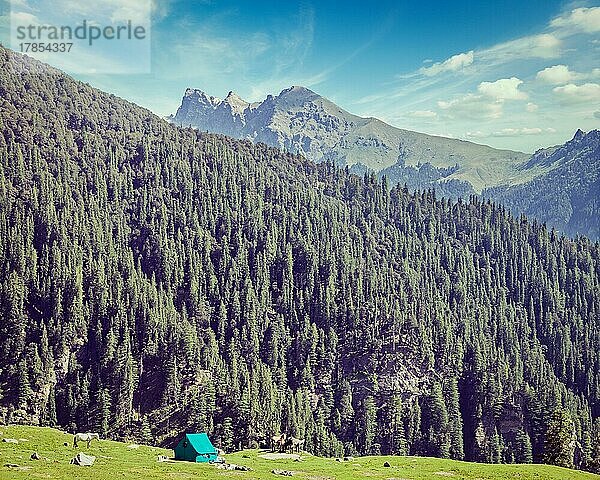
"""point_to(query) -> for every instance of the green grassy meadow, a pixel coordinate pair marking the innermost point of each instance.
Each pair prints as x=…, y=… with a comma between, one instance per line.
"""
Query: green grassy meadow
x=115, y=461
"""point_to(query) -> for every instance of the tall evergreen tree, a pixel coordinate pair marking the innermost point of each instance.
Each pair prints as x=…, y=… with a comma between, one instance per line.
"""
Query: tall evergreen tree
x=559, y=444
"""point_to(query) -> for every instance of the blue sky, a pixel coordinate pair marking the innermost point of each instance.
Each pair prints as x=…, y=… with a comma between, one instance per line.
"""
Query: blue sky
x=510, y=74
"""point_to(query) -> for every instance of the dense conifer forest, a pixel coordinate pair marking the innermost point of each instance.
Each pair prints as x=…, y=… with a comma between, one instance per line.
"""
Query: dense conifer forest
x=155, y=280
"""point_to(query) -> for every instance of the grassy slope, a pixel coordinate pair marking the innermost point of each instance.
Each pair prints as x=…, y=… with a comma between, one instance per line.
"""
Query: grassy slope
x=114, y=461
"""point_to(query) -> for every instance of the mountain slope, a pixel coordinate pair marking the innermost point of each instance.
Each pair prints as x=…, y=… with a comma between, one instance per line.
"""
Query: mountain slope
x=155, y=279
x=300, y=121
x=568, y=197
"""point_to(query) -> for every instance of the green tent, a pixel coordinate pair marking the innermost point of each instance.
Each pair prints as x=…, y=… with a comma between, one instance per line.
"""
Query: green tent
x=195, y=447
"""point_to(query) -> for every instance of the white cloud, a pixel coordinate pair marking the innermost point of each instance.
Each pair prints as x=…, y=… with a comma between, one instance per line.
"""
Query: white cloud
x=556, y=75
x=229, y=55
x=561, y=74
x=117, y=11
x=23, y=18
x=597, y=114
x=515, y=132
x=503, y=89
x=511, y=132
x=571, y=93
x=98, y=12
x=559, y=54
x=135, y=10
x=476, y=134
x=14, y=4
x=423, y=114
x=472, y=106
x=531, y=107
x=488, y=104
x=543, y=41
x=583, y=19
x=453, y=64
x=545, y=45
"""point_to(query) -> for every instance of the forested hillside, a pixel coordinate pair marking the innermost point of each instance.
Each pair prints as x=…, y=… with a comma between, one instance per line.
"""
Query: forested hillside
x=155, y=279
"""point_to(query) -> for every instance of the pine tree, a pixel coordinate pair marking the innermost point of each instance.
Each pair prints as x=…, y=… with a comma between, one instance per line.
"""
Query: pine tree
x=367, y=424
x=594, y=463
x=522, y=448
x=146, y=436
x=226, y=435
x=558, y=446
x=455, y=424
x=396, y=442
x=24, y=392
x=434, y=424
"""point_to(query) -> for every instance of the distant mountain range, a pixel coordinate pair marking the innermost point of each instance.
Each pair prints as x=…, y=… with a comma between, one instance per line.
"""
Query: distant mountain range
x=568, y=196
x=299, y=120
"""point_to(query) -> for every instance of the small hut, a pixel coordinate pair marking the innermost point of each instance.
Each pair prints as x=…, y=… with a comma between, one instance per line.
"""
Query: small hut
x=195, y=447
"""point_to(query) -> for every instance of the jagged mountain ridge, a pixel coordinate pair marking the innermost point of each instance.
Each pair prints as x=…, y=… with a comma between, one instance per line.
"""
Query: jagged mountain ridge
x=301, y=121
x=566, y=198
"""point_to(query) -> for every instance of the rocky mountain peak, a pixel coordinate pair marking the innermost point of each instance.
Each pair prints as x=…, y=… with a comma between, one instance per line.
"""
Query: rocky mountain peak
x=579, y=134
x=193, y=94
x=587, y=138
x=583, y=141
x=236, y=103
x=234, y=97
x=297, y=90
x=297, y=96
